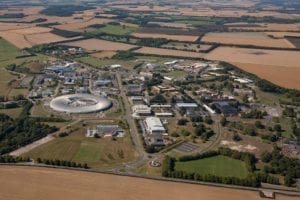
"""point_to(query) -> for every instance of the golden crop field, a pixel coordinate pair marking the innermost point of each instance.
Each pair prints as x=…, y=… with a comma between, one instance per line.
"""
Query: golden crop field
x=247, y=38
x=29, y=183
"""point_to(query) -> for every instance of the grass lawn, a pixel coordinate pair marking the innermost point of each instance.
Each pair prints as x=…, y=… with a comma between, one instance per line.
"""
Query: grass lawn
x=12, y=112
x=16, y=92
x=5, y=79
x=8, y=51
x=38, y=110
x=217, y=165
x=114, y=30
x=95, y=152
x=176, y=74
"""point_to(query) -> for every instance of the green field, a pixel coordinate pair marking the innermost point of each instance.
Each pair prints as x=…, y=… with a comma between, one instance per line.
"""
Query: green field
x=95, y=152
x=8, y=51
x=176, y=74
x=113, y=30
x=5, y=79
x=217, y=165
x=12, y=112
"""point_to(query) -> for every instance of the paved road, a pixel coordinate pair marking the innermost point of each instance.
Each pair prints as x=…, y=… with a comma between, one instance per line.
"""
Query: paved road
x=135, y=135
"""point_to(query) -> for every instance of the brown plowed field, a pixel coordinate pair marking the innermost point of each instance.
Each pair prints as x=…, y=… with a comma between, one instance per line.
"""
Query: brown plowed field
x=28, y=183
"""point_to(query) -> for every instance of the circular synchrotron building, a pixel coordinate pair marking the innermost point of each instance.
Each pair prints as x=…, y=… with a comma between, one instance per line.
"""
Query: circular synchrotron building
x=80, y=103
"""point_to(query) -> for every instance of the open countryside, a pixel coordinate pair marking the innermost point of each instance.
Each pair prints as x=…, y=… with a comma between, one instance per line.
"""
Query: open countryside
x=139, y=99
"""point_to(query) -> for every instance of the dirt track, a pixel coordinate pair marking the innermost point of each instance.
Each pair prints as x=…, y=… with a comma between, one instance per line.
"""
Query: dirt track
x=28, y=183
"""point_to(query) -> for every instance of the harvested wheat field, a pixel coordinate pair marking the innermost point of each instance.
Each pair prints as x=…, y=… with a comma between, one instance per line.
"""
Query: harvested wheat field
x=284, y=76
x=184, y=38
x=169, y=52
x=247, y=38
x=31, y=30
x=44, y=38
x=29, y=183
x=104, y=54
x=256, y=56
x=16, y=39
x=100, y=45
x=280, y=67
x=283, y=34
x=28, y=37
x=13, y=26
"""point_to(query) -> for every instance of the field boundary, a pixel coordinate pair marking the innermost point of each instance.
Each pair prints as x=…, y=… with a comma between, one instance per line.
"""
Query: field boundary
x=290, y=192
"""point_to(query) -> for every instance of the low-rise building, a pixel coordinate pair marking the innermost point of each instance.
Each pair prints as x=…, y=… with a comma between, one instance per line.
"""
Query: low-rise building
x=154, y=126
x=141, y=110
x=105, y=131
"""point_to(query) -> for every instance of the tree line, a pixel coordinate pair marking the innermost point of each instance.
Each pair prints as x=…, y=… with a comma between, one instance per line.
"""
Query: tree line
x=63, y=163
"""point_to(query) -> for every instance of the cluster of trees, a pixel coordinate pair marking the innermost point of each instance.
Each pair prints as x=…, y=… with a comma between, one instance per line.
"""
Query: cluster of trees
x=10, y=159
x=159, y=99
x=63, y=163
x=152, y=42
x=49, y=119
x=12, y=15
x=64, y=11
x=280, y=164
x=18, y=68
x=203, y=132
x=65, y=33
x=156, y=79
x=254, y=114
x=15, y=133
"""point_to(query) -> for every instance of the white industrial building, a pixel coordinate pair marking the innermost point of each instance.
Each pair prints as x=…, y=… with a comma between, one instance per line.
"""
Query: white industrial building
x=154, y=126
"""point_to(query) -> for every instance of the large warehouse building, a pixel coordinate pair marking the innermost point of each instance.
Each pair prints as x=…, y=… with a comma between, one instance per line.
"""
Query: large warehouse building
x=80, y=103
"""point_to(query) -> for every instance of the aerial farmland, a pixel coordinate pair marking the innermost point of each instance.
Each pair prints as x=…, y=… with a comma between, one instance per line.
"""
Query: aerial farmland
x=150, y=99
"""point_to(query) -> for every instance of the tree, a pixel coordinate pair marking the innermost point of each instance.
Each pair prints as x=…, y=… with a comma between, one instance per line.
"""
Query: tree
x=266, y=157
x=288, y=180
x=277, y=128
x=259, y=125
x=223, y=121
x=236, y=138
x=208, y=120
x=182, y=122
x=150, y=149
